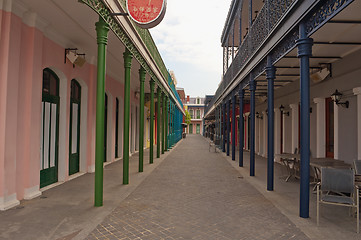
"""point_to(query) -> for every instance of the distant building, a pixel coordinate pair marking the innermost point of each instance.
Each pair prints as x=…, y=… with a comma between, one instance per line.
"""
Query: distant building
x=195, y=107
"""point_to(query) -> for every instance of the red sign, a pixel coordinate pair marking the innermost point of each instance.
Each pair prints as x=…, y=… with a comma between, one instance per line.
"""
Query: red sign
x=146, y=13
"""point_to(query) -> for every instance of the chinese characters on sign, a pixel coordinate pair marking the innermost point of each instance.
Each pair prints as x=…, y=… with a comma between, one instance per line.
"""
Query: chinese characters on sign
x=146, y=13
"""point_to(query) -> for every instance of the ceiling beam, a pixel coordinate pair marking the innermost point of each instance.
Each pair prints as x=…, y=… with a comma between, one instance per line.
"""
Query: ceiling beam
x=337, y=43
x=345, y=21
x=285, y=75
x=295, y=67
x=328, y=57
x=275, y=80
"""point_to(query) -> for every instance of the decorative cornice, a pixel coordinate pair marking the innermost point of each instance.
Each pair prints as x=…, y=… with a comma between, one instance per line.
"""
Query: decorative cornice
x=103, y=12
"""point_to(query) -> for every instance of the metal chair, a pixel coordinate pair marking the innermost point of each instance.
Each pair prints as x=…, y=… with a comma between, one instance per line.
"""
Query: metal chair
x=357, y=166
x=337, y=187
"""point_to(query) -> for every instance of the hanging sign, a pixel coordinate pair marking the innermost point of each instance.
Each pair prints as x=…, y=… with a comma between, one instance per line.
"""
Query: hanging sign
x=146, y=13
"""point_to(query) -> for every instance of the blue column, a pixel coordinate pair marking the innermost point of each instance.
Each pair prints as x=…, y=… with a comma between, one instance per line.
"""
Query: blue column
x=304, y=44
x=224, y=128
x=234, y=127
x=270, y=75
x=252, y=88
x=228, y=124
x=241, y=127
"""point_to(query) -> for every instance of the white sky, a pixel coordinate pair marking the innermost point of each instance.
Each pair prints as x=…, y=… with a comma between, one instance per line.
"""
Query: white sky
x=188, y=39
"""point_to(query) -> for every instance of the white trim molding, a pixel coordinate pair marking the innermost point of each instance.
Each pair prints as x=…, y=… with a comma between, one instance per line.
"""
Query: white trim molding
x=320, y=127
x=8, y=202
x=357, y=92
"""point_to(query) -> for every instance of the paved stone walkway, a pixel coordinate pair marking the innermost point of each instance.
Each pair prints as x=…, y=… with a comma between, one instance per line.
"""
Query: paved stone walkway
x=196, y=194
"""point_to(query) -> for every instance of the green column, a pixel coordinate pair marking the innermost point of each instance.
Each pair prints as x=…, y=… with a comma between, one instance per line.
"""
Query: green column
x=158, y=121
x=166, y=123
x=151, y=123
x=141, y=118
x=127, y=67
x=163, y=121
x=102, y=39
x=172, y=111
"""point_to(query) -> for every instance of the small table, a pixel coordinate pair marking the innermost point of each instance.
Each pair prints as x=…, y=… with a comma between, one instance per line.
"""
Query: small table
x=289, y=160
x=318, y=163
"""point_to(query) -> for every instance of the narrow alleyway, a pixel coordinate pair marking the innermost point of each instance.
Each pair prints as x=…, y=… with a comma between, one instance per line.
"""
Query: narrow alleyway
x=196, y=194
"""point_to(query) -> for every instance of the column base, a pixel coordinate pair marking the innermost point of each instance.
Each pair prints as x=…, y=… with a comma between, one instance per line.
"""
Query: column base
x=91, y=169
x=32, y=192
x=8, y=202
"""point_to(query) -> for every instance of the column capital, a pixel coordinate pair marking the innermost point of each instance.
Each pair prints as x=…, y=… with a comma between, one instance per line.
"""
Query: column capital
x=252, y=85
x=294, y=106
x=319, y=100
x=241, y=92
x=152, y=83
x=304, y=47
x=142, y=74
x=270, y=69
x=357, y=91
x=102, y=29
x=127, y=55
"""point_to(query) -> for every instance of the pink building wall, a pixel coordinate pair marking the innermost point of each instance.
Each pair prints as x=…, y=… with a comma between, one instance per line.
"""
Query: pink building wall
x=20, y=107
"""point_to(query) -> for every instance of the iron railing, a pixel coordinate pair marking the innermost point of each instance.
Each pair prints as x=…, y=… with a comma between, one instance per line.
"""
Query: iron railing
x=271, y=13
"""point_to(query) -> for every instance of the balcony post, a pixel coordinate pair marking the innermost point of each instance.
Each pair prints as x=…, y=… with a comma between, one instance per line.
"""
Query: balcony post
x=304, y=44
x=234, y=127
x=127, y=71
x=240, y=126
x=159, y=93
x=163, y=122
x=249, y=15
x=102, y=30
x=224, y=128
x=252, y=88
x=142, y=73
x=151, y=121
x=270, y=75
x=228, y=124
x=166, y=123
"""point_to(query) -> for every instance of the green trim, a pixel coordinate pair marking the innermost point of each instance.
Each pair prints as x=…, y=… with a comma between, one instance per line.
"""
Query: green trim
x=74, y=157
x=116, y=154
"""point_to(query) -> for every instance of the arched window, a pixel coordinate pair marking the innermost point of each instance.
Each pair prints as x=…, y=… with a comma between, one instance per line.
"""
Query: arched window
x=50, y=128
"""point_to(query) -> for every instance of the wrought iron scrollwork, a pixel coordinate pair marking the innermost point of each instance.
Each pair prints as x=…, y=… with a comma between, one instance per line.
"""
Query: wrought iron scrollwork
x=325, y=11
x=99, y=7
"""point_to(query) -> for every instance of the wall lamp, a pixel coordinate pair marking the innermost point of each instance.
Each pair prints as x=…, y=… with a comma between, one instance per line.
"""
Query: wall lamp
x=336, y=97
x=282, y=108
x=258, y=115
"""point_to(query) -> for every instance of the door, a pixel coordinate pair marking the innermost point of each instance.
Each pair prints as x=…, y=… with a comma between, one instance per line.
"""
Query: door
x=105, y=126
x=198, y=129
x=116, y=127
x=74, y=129
x=190, y=128
x=50, y=129
x=329, y=128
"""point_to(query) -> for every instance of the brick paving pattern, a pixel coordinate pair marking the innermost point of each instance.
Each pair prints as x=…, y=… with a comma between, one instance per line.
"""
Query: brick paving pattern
x=196, y=194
